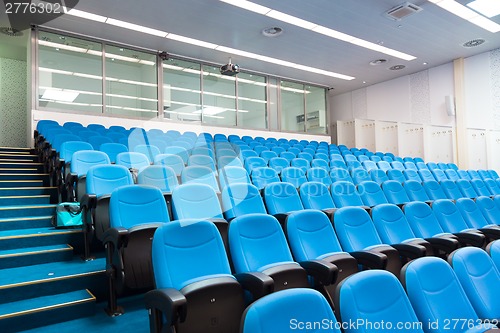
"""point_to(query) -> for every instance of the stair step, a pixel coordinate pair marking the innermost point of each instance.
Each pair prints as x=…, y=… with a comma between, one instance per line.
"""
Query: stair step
x=21, y=283
x=16, y=150
x=22, y=165
x=22, y=238
x=35, y=255
x=25, y=223
x=15, y=156
x=26, y=211
x=23, y=200
x=30, y=191
x=21, y=183
x=46, y=310
x=25, y=176
x=7, y=170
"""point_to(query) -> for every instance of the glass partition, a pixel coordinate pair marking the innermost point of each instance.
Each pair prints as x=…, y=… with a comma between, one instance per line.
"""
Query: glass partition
x=316, y=110
x=252, y=101
x=292, y=106
x=219, y=98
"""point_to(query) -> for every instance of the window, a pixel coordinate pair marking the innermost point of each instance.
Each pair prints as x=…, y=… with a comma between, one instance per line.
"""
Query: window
x=292, y=107
x=181, y=90
x=69, y=74
x=252, y=101
x=316, y=110
x=219, y=98
x=131, y=88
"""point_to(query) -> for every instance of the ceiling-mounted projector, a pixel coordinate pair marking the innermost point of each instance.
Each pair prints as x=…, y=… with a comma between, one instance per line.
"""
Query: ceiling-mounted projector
x=230, y=69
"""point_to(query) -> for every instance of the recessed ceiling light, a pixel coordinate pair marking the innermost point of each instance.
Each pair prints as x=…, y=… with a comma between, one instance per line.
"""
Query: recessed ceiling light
x=488, y=8
x=272, y=31
x=397, y=67
x=424, y=63
x=378, y=62
x=474, y=42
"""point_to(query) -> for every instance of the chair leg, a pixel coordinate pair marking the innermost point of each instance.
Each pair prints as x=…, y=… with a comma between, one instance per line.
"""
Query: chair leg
x=113, y=310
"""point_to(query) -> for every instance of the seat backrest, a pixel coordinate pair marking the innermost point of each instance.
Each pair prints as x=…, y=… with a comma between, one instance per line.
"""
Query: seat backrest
x=371, y=193
x=443, y=166
x=287, y=308
x=340, y=174
x=233, y=175
x=345, y=194
x=379, y=176
x=375, y=158
x=240, y=198
x=394, y=192
x=300, y=163
x=294, y=176
x=103, y=179
x=315, y=195
x=225, y=152
x=439, y=175
x=484, y=174
x=319, y=175
x=466, y=188
x=113, y=149
x=267, y=155
x=254, y=162
x=477, y=274
x=384, y=165
x=202, y=160
x=84, y=159
x=97, y=140
x=421, y=166
x=412, y=175
x=355, y=229
x=369, y=165
x=305, y=155
x=451, y=189
x=178, y=150
x=257, y=241
x=132, y=160
x=432, y=165
x=391, y=224
x=473, y=174
x=224, y=161
x=448, y=216
x=397, y=175
x=195, y=201
x=278, y=149
x=422, y=220
x=425, y=175
x=434, y=190
x=288, y=155
x=415, y=191
x=471, y=213
x=199, y=175
x=320, y=163
x=282, y=198
x=68, y=148
x=436, y=294
x=492, y=186
x=62, y=138
x=261, y=177
x=480, y=187
x=490, y=210
x=171, y=160
x=360, y=175
x=463, y=174
x=410, y=165
x=397, y=165
x=150, y=151
x=494, y=251
x=133, y=205
x=375, y=296
x=160, y=176
x=452, y=174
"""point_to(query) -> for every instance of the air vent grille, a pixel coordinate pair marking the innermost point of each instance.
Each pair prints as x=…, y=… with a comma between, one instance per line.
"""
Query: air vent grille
x=399, y=12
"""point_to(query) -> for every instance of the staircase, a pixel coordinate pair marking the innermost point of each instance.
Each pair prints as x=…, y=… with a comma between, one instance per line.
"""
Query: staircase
x=42, y=278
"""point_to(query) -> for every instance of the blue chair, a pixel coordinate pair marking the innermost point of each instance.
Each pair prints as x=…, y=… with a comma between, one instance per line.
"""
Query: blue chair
x=179, y=301
x=360, y=175
x=451, y=189
x=135, y=212
x=493, y=250
x=173, y=161
x=493, y=174
x=436, y=295
x=369, y=165
x=439, y=175
x=480, y=187
x=319, y=175
x=425, y=175
x=421, y=166
x=475, y=219
x=315, y=195
x=98, y=140
x=492, y=186
x=254, y=162
x=262, y=177
x=396, y=165
x=466, y=188
x=396, y=175
x=177, y=150
x=375, y=296
x=150, y=151
x=412, y=175
x=62, y=164
x=288, y=155
x=160, y=176
x=202, y=160
x=463, y=174
x=434, y=190
x=490, y=210
x=294, y=176
x=340, y=174
x=395, y=193
x=442, y=166
x=225, y=161
x=112, y=150
x=379, y=176
x=240, y=199
x=320, y=163
x=384, y=165
x=278, y=163
x=484, y=174
x=478, y=275
x=415, y=191
x=199, y=175
x=345, y=194
x=371, y=193
x=267, y=155
x=232, y=175
x=135, y=162
x=432, y=165
x=452, y=175
x=300, y=163
x=473, y=174
x=281, y=199
x=117, y=137
x=82, y=161
x=410, y=165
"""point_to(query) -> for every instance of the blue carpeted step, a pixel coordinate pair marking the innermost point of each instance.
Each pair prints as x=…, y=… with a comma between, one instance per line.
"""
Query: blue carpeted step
x=17, y=156
x=21, y=183
x=44, y=177
x=35, y=255
x=30, y=191
x=46, y=310
x=39, y=167
x=25, y=211
x=27, y=282
x=21, y=238
x=24, y=200
x=25, y=222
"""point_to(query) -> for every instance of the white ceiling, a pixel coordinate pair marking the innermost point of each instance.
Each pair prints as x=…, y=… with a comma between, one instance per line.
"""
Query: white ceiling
x=433, y=35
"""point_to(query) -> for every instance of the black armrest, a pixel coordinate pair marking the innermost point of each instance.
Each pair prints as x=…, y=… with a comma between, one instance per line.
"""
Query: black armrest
x=446, y=244
x=470, y=237
x=281, y=217
x=257, y=283
x=492, y=232
x=71, y=178
x=370, y=259
x=322, y=271
x=115, y=236
x=330, y=212
x=89, y=201
x=170, y=302
x=411, y=251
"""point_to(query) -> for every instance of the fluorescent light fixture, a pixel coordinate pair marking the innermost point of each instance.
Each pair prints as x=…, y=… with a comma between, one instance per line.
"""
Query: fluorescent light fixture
x=192, y=41
x=86, y=15
x=467, y=14
x=211, y=110
x=488, y=8
x=248, y=5
x=136, y=27
x=291, y=20
x=60, y=95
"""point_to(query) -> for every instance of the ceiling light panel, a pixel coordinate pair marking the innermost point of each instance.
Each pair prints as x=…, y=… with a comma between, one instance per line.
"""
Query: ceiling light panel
x=488, y=8
x=136, y=27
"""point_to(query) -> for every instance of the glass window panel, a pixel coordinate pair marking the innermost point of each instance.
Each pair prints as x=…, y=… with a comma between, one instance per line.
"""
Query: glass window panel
x=219, y=97
x=316, y=110
x=181, y=90
x=292, y=106
x=69, y=73
x=252, y=104
x=131, y=87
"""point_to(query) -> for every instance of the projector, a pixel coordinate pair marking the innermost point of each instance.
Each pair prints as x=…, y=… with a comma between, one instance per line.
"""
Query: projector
x=230, y=69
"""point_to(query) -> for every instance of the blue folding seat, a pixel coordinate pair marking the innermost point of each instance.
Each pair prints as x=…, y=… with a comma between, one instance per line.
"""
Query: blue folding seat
x=371, y=193
x=396, y=175
x=97, y=140
x=338, y=164
x=315, y=195
x=477, y=274
x=434, y=190
x=97, y=128
x=320, y=163
x=278, y=149
x=294, y=176
x=225, y=152
x=117, y=136
x=466, y=188
x=421, y=166
x=309, y=151
x=72, y=125
x=439, y=175
x=354, y=165
x=319, y=175
x=240, y=199
x=475, y=219
x=100, y=182
x=397, y=165
x=350, y=158
x=412, y=175
x=384, y=165
x=362, y=158
x=294, y=150
x=278, y=163
x=336, y=157
x=369, y=165
x=463, y=174
x=82, y=161
x=282, y=199
x=160, y=176
x=150, y=151
x=451, y=189
x=394, y=192
x=484, y=174
x=436, y=296
x=375, y=158
x=321, y=155
x=388, y=159
x=183, y=288
x=426, y=175
x=270, y=145
x=442, y=166
x=300, y=163
x=493, y=174
x=360, y=175
x=356, y=232
x=225, y=161
x=452, y=221
x=288, y=155
x=273, y=313
x=85, y=134
x=177, y=150
x=259, y=149
x=432, y=165
x=345, y=194
x=452, y=174
x=259, y=139
x=253, y=162
x=202, y=160
x=452, y=166
x=489, y=209
x=378, y=176
x=116, y=128
x=62, y=164
x=56, y=144
x=135, y=162
x=399, y=159
x=261, y=177
x=492, y=186
x=493, y=249
x=267, y=155
x=473, y=174
x=340, y=174
x=375, y=296
x=232, y=175
x=199, y=175
x=415, y=191
x=203, y=151
x=480, y=187
x=171, y=160
x=410, y=166
x=135, y=212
